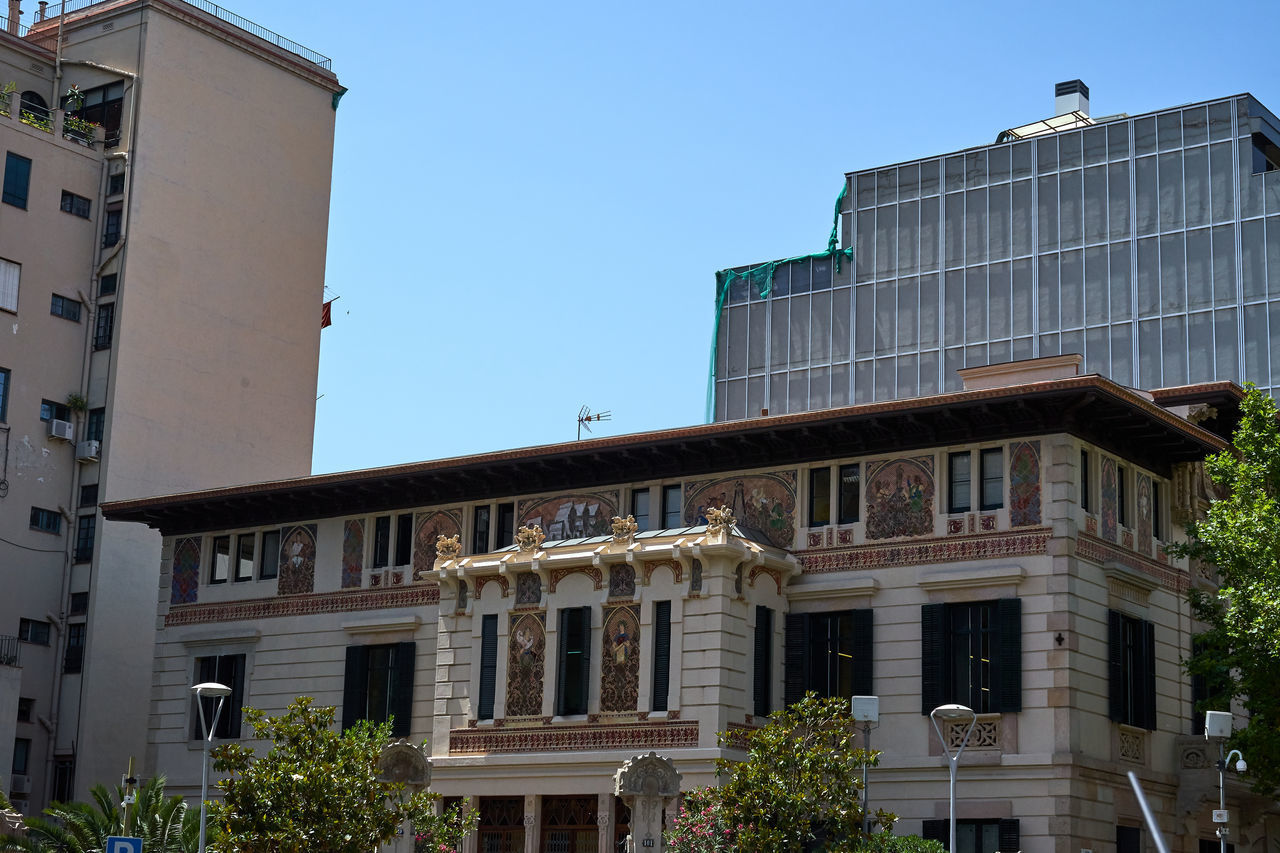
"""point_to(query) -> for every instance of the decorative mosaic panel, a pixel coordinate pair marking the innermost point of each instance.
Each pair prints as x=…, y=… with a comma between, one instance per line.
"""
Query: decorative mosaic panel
x=297, y=560
x=526, y=664
x=1109, y=503
x=765, y=503
x=622, y=581
x=620, y=667
x=1144, y=514
x=695, y=577
x=528, y=589
x=941, y=550
x=352, y=553
x=1024, y=484
x=900, y=498
x=570, y=516
x=419, y=595
x=636, y=737
x=462, y=596
x=427, y=526
x=186, y=571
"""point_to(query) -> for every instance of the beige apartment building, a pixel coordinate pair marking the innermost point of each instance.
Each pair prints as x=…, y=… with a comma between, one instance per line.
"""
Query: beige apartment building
x=999, y=546
x=162, y=256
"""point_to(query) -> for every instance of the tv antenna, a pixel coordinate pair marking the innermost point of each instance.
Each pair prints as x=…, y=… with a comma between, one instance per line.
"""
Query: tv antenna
x=585, y=418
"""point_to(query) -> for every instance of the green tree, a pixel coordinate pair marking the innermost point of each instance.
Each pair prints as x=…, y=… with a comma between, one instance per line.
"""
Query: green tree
x=164, y=824
x=317, y=790
x=798, y=789
x=1239, y=656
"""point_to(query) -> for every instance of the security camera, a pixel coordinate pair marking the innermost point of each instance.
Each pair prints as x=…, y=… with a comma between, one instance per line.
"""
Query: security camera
x=1241, y=766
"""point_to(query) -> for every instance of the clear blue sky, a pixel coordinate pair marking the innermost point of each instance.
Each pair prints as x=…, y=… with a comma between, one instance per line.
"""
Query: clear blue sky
x=530, y=200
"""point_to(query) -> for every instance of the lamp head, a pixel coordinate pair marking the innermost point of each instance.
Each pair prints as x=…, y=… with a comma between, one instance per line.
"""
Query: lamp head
x=211, y=688
x=1241, y=767
x=953, y=712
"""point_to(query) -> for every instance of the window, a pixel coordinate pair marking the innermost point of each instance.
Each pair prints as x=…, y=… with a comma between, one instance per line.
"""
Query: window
x=1129, y=839
x=506, y=525
x=381, y=541
x=17, y=180
x=976, y=836
x=64, y=778
x=404, y=539
x=21, y=755
x=1266, y=154
x=227, y=670
x=971, y=653
x=76, y=205
x=10, y=276
x=47, y=520
x=67, y=309
x=4, y=394
x=103, y=105
x=671, y=515
x=1122, y=495
x=488, y=666
x=1157, y=518
x=244, y=557
x=107, y=285
x=26, y=708
x=991, y=464
x=819, y=497
x=640, y=507
x=379, y=686
x=111, y=229
x=33, y=631
x=661, y=654
x=220, y=559
x=1132, y=665
x=115, y=184
x=573, y=672
x=73, y=657
x=1085, y=503
x=829, y=653
x=104, y=326
x=86, y=530
x=850, y=493
x=480, y=531
x=762, y=676
x=959, y=470
x=95, y=424
x=79, y=604
x=1210, y=685
x=50, y=411
x=270, y=565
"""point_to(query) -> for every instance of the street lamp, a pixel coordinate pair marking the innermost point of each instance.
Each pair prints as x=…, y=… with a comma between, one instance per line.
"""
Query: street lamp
x=222, y=691
x=1217, y=725
x=866, y=710
x=953, y=712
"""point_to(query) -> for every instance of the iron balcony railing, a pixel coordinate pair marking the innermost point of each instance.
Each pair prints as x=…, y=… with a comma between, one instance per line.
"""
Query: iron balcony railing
x=9, y=648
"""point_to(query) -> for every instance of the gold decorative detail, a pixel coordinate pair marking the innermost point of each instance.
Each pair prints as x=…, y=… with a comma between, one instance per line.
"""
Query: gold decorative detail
x=448, y=547
x=529, y=538
x=624, y=529
x=719, y=520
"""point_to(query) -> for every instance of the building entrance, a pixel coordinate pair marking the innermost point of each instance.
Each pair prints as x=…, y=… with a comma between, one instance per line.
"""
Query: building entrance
x=569, y=825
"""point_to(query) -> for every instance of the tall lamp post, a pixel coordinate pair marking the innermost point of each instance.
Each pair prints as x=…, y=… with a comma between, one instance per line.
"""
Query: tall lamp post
x=866, y=710
x=950, y=713
x=208, y=689
x=1217, y=725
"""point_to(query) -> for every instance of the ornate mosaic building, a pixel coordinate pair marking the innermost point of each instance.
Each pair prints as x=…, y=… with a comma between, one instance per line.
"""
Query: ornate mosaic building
x=999, y=546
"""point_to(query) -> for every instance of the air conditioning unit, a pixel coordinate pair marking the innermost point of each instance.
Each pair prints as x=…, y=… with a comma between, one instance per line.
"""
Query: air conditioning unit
x=88, y=451
x=20, y=784
x=64, y=430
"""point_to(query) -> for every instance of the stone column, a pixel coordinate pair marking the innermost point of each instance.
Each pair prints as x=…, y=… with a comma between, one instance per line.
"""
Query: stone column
x=604, y=820
x=645, y=783
x=532, y=813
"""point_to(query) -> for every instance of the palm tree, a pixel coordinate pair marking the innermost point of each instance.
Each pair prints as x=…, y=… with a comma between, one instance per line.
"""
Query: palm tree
x=164, y=824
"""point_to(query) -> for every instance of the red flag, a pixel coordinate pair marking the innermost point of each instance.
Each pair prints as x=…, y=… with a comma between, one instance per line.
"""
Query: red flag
x=326, y=315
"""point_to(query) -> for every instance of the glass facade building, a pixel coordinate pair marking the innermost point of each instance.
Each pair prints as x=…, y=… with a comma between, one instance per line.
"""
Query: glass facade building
x=1149, y=244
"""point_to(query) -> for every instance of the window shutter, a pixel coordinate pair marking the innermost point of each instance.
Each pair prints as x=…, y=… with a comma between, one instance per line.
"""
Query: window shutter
x=585, y=673
x=206, y=670
x=1115, y=665
x=488, y=665
x=562, y=661
x=933, y=656
x=763, y=674
x=1149, y=676
x=235, y=680
x=936, y=830
x=402, y=689
x=1009, y=655
x=355, y=687
x=863, y=652
x=797, y=642
x=661, y=654
x=1010, y=840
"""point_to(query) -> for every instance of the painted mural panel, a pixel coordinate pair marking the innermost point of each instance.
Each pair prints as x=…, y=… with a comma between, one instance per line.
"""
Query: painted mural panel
x=620, y=668
x=1108, y=507
x=352, y=553
x=622, y=581
x=900, y=497
x=762, y=502
x=1024, y=484
x=570, y=516
x=427, y=527
x=526, y=665
x=297, y=560
x=185, y=588
x=1144, y=514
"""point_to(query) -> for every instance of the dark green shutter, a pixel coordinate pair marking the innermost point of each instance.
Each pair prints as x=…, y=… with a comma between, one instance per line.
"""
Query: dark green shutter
x=562, y=661
x=402, y=689
x=933, y=657
x=206, y=670
x=585, y=671
x=794, y=651
x=661, y=654
x=488, y=665
x=863, y=652
x=763, y=665
x=234, y=667
x=1149, y=676
x=936, y=830
x=355, y=686
x=1010, y=839
x=1008, y=655
x=1115, y=666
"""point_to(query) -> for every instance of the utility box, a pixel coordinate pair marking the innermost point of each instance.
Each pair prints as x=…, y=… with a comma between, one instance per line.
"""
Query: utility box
x=1217, y=724
x=866, y=709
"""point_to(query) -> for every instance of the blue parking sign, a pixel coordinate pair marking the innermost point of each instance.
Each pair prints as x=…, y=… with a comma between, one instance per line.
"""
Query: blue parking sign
x=117, y=844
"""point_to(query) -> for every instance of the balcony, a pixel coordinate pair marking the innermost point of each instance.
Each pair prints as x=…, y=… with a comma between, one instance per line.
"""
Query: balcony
x=10, y=650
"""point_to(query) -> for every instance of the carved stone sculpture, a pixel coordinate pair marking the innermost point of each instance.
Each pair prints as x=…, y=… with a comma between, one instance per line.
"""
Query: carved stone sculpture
x=448, y=547
x=624, y=529
x=719, y=520
x=11, y=824
x=647, y=784
x=529, y=538
x=403, y=763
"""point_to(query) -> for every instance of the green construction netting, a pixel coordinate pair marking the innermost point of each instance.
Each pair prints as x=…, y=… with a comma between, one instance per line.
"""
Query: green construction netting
x=761, y=278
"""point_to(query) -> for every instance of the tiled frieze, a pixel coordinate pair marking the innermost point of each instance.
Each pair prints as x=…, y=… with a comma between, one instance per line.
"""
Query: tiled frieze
x=297, y=560
x=588, y=737
x=941, y=550
x=421, y=595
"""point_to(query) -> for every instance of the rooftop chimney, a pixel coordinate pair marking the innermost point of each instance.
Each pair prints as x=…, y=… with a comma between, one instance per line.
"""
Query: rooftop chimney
x=1071, y=97
x=15, y=12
